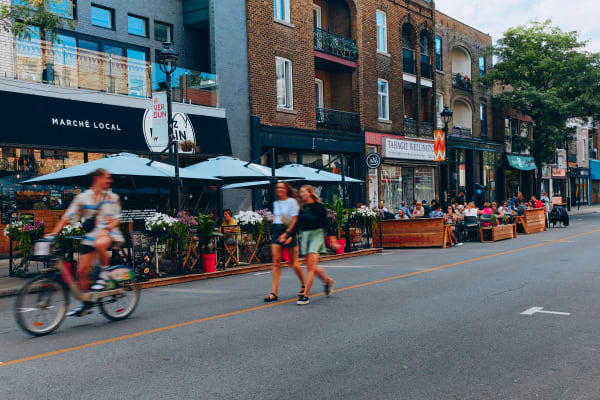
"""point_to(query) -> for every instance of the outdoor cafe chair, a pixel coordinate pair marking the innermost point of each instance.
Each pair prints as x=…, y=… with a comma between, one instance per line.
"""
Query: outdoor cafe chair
x=471, y=229
x=231, y=250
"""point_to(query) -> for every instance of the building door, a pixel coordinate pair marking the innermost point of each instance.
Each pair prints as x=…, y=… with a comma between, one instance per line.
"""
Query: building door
x=317, y=16
x=319, y=103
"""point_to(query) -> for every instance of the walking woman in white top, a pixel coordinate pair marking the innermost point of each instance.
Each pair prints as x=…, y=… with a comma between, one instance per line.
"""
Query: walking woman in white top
x=285, y=218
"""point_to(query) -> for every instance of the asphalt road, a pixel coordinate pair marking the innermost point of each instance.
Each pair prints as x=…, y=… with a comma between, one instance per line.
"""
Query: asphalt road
x=408, y=324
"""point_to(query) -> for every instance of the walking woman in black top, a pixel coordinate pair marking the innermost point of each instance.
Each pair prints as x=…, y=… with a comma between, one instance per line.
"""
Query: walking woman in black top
x=312, y=222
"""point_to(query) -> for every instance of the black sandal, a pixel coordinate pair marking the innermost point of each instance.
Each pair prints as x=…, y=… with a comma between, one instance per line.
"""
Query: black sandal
x=271, y=297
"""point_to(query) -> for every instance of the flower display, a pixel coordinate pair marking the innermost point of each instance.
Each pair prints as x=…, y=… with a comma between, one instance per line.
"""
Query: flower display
x=160, y=224
x=250, y=221
x=23, y=235
x=368, y=217
x=14, y=230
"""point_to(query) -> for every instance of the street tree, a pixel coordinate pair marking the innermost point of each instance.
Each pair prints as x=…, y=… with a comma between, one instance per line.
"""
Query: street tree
x=32, y=19
x=547, y=74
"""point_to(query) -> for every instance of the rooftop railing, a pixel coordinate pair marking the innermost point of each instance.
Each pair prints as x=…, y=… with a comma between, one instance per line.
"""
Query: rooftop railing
x=72, y=67
x=338, y=45
x=457, y=131
x=426, y=130
x=410, y=127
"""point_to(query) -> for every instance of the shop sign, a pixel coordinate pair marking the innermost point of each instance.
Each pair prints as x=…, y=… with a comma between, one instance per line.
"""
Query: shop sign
x=83, y=125
x=561, y=159
x=546, y=172
x=408, y=149
x=373, y=160
x=159, y=130
x=559, y=172
x=439, y=145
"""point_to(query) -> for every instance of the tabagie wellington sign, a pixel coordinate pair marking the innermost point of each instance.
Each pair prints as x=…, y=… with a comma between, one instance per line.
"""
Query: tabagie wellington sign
x=408, y=149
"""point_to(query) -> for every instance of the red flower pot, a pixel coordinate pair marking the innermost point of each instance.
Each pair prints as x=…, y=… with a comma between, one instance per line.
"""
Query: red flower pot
x=209, y=262
x=341, y=246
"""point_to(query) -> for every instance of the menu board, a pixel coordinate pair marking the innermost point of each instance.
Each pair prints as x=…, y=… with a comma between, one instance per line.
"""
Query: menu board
x=8, y=205
x=131, y=215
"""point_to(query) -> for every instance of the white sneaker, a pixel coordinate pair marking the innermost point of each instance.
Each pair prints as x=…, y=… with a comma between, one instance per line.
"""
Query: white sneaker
x=101, y=282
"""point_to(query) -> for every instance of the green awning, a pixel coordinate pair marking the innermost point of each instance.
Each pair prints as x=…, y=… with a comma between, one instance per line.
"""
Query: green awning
x=524, y=163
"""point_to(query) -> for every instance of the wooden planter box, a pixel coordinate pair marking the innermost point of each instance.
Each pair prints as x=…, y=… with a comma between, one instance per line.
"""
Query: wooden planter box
x=423, y=232
x=500, y=232
x=534, y=221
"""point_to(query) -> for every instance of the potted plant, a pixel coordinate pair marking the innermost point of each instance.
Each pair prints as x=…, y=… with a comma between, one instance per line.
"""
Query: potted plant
x=340, y=222
x=494, y=220
x=69, y=247
x=368, y=218
x=251, y=222
x=160, y=227
x=206, y=231
x=24, y=235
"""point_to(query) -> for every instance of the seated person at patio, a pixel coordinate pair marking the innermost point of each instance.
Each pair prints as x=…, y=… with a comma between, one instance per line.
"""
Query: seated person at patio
x=437, y=212
x=460, y=199
x=229, y=228
x=405, y=208
x=451, y=216
x=486, y=209
x=382, y=207
x=537, y=203
x=419, y=211
x=471, y=210
x=496, y=210
x=426, y=208
x=401, y=214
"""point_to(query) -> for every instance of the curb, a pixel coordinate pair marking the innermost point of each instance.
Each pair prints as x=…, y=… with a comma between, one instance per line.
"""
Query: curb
x=218, y=274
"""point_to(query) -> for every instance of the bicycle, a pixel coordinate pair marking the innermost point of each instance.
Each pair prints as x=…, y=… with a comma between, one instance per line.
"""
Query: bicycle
x=42, y=303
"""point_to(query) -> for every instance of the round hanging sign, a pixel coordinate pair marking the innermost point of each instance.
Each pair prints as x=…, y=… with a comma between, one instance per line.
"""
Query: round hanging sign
x=373, y=160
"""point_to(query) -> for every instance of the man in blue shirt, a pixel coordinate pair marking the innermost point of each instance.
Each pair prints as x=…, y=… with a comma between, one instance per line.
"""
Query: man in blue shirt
x=437, y=212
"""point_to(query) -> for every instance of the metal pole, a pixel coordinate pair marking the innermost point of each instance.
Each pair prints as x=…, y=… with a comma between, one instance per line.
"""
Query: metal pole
x=273, y=197
x=173, y=148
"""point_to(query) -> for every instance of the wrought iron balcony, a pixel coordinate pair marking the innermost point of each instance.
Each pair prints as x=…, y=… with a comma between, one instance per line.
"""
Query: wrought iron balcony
x=338, y=120
x=426, y=130
x=466, y=133
x=338, y=45
x=426, y=71
x=462, y=82
x=410, y=127
x=408, y=61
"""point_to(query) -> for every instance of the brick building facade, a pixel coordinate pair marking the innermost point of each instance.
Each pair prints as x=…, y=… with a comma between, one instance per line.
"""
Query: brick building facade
x=348, y=87
x=473, y=150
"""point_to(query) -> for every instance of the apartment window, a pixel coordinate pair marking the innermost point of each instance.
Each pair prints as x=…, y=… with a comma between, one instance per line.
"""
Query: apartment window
x=64, y=9
x=383, y=99
x=283, y=71
x=481, y=65
x=438, y=54
x=319, y=102
x=381, y=31
x=163, y=32
x=281, y=10
x=483, y=118
x=103, y=17
x=137, y=26
x=317, y=16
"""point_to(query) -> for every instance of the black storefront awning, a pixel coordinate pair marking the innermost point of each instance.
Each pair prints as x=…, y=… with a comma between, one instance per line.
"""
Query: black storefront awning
x=54, y=122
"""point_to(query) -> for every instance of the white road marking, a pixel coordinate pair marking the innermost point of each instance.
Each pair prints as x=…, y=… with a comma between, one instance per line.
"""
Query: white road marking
x=262, y=273
x=354, y=266
x=193, y=291
x=385, y=254
x=534, y=310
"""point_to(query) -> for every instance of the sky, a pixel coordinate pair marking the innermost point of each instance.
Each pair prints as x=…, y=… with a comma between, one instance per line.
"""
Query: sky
x=495, y=16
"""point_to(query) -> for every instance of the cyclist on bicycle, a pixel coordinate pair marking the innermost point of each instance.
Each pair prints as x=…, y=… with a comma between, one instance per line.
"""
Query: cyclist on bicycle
x=99, y=210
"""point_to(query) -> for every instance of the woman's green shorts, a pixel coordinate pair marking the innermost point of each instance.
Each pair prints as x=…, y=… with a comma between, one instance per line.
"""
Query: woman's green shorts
x=312, y=242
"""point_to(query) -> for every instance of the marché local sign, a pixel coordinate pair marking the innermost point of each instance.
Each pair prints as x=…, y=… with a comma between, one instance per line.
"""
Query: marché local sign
x=408, y=149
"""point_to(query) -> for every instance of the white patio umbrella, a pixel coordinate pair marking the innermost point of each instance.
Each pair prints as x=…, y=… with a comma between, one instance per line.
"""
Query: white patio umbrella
x=129, y=171
x=232, y=170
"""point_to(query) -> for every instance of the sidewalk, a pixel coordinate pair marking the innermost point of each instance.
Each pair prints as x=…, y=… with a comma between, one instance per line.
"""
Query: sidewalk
x=584, y=210
x=11, y=286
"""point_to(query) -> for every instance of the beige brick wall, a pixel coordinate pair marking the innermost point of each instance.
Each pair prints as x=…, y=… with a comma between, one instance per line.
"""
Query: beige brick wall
x=6, y=50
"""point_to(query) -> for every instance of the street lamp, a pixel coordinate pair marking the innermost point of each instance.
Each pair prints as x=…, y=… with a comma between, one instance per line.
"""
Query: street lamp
x=446, y=115
x=167, y=62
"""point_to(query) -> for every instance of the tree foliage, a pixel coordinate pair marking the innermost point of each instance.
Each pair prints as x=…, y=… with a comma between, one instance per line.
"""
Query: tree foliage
x=25, y=18
x=546, y=74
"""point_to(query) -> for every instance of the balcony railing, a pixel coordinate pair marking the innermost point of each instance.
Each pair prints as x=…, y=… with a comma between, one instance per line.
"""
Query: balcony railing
x=338, y=120
x=338, y=45
x=426, y=70
x=462, y=82
x=426, y=130
x=66, y=66
x=410, y=127
x=408, y=61
x=457, y=131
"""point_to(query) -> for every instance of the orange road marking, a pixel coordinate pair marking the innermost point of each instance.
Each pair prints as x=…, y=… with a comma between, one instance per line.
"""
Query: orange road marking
x=247, y=310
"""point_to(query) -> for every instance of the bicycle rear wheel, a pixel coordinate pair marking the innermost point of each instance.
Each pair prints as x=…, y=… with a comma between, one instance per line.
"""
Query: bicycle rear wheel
x=122, y=305
x=41, y=305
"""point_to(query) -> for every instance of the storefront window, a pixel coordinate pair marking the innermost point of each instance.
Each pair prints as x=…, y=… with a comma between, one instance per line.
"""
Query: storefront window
x=391, y=186
x=489, y=175
x=579, y=191
x=424, y=184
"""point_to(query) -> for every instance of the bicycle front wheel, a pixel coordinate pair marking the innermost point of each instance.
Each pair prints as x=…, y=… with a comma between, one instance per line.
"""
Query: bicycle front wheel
x=41, y=305
x=122, y=305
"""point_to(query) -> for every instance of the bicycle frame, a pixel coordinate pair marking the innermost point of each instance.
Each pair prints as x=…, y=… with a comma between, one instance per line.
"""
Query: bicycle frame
x=74, y=288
